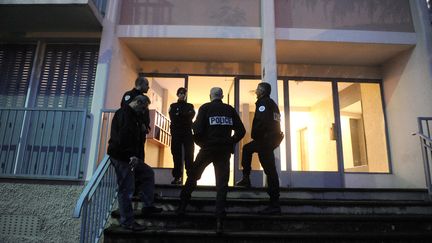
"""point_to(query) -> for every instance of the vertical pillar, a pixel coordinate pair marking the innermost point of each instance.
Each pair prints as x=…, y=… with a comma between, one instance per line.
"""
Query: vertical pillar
x=268, y=56
x=268, y=46
x=108, y=39
x=422, y=26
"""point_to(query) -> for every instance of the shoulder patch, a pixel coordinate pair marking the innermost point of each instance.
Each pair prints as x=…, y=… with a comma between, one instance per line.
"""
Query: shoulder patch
x=261, y=108
x=127, y=97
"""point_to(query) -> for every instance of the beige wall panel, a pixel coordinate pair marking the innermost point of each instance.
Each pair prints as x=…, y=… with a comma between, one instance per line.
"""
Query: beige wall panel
x=329, y=71
x=292, y=70
x=373, y=121
x=201, y=68
x=376, y=15
x=124, y=71
x=324, y=156
x=191, y=12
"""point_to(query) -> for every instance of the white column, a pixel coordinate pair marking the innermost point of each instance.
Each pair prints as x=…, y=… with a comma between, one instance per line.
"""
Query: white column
x=422, y=26
x=108, y=39
x=268, y=47
x=268, y=59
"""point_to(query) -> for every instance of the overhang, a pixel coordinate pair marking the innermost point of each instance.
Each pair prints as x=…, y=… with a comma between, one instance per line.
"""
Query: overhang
x=195, y=49
x=249, y=50
x=49, y=16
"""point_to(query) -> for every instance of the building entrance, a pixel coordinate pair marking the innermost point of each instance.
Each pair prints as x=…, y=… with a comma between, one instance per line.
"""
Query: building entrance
x=331, y=128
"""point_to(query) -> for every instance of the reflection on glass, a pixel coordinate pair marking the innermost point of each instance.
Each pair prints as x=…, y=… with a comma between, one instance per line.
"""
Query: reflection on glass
x=313, y=141
x=162, y=93
x=282, y=146
x=362, y=124
x=247, y=112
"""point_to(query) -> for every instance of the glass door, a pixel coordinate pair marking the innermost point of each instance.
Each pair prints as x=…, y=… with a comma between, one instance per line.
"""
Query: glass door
x=313, y=134
x=246, y=108
x=198, y=94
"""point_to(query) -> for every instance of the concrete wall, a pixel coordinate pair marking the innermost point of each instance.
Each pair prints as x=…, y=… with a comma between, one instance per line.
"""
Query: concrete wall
x=191, y=12
x=293, y=70
x=407, y=95
x=53, y=205
x=376, y=15
x=123, y=72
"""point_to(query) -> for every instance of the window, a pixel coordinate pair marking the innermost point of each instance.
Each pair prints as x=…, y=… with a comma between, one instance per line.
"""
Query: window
x=363, y=128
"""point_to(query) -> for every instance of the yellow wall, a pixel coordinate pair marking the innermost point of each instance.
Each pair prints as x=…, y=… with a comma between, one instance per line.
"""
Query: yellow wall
x=373, y=120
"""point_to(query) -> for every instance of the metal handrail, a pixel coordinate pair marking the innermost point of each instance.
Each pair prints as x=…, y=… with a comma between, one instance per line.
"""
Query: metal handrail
x=101, y=6
x=96, y=202
x=425, y=131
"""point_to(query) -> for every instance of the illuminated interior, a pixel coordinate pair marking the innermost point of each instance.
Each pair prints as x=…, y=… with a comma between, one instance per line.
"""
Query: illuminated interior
x=313, y=141
x=313, y=132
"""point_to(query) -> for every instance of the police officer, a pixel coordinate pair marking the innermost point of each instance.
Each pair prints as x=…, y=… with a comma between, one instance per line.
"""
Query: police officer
x=212, y=132
x=181, y=114
x=141, y=87
x=126, y=150
x=266, y=135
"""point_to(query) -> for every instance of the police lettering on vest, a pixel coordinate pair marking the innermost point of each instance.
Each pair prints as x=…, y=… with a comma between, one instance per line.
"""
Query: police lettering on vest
x=220, y=120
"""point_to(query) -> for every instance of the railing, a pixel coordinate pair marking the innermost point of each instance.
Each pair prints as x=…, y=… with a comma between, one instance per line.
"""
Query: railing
x=425, y=130
x=100, y=5
x=42, y=143
x=104, y=132
x=96, y=201
x=160, y=130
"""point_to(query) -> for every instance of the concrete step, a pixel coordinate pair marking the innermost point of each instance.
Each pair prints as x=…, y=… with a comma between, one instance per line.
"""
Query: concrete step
x=308, y=215
x=302, y=206
x=116, y=234
x=291, y=222
x=304, y=193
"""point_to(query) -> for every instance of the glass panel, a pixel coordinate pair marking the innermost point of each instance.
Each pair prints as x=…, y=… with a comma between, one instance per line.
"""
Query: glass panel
x=313, y=140
x=282, y=146
x=162, y=93
x=247, y=112
x=363, y=130
x=199, y=93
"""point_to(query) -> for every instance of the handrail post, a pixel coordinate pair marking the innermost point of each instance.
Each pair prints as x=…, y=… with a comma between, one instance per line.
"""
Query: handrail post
x=425, y=150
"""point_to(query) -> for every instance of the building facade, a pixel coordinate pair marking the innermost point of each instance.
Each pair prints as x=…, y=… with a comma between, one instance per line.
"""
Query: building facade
x=350, y=79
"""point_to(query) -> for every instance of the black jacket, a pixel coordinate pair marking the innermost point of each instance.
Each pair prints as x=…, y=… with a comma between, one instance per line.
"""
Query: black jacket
x=214, y=124
x=127, y=135
x=181, y=114
x=266, y=122
x=128, y=97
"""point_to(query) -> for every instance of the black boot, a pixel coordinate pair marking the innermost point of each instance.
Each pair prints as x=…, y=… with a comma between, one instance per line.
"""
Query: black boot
x=245, y=182
x=176, y=181
x=181, y=210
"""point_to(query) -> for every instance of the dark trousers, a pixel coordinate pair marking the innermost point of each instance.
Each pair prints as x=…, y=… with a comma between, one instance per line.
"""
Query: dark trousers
x=221, y=164
x=182, y=147
x=267, y=160
x=144, y=175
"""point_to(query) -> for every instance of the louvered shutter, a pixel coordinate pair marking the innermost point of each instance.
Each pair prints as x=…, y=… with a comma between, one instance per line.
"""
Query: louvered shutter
x=67, y=76
x=16, y=63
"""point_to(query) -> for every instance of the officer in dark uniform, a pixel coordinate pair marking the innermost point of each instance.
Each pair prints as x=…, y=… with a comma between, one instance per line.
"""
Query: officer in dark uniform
x=141, y=87
x=126, y=151
x=212, y=132
x=266, y=135
x=181, y=114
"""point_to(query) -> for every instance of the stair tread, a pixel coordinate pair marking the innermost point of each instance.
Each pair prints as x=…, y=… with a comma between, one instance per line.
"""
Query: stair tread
x=288, y=216
x=120, y=232
x=302, y=189
x=296, y=201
